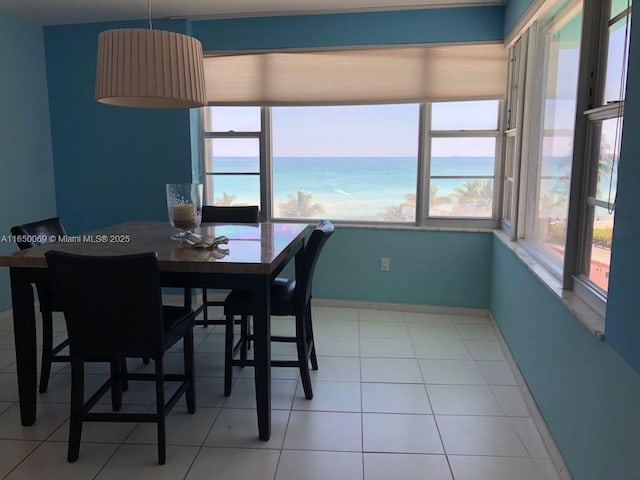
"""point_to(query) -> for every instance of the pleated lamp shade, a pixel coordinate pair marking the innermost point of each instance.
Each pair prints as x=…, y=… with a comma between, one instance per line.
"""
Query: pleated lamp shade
x=149, y=69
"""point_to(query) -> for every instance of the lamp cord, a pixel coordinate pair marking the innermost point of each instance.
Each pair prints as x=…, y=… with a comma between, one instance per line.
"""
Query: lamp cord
x=149, y=14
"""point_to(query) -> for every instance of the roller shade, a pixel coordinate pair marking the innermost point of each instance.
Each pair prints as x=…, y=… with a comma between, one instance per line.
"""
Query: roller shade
x=380, y=75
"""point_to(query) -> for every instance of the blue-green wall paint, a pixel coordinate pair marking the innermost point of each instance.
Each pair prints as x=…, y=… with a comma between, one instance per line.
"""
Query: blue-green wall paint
x=111, y=163
x=427, y=267
x=513, y=11
x=26, y=168
x=587, y=394
x=472, y=24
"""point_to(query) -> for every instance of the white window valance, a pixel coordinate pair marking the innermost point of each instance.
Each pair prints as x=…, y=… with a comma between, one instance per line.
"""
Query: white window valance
x=375, y=75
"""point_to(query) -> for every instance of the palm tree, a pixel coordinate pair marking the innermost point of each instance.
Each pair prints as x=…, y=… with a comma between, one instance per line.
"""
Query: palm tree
x=474, y=197
x=394, y=213
x=300, y=206
x=405, y=212
x=226, y=200
x=437, y=200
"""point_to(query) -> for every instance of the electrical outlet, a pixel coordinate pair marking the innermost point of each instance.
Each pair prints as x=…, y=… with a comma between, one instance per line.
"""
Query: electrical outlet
x=385, y=264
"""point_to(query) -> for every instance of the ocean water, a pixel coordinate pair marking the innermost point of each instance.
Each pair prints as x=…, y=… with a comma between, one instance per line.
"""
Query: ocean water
x=347, y=188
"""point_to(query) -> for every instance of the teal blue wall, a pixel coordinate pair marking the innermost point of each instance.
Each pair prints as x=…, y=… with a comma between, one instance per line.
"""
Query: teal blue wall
x=588, y=391
x=336, y=30
x=588, y=395
x=427, y=267
x=26, y=168
x=513, y=10
x=111, y=163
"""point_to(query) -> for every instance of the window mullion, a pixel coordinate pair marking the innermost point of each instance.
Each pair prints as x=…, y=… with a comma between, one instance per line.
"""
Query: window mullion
x=422, y=187
x=424, y=164
x=266, y=166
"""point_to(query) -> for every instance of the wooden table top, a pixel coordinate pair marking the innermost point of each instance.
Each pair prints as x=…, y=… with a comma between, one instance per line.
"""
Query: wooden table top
x=253, y=248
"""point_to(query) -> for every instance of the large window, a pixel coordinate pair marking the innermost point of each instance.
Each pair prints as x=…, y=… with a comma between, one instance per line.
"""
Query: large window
x=605, y=135
x=557, y=66
x=401, y=163
x=345, y=162
x=559, y=193
x=463, y=158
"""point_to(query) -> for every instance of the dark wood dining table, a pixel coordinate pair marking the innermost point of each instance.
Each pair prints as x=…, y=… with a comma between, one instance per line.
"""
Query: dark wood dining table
x=257, y=253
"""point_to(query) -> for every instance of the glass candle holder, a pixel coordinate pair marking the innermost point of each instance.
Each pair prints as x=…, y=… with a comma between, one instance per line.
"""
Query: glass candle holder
x=184, y=203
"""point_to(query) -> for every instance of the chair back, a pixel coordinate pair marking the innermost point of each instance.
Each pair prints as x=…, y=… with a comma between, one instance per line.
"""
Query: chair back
x=308, y=261
x=112, y=304
x=239, y=214
x=36, y=233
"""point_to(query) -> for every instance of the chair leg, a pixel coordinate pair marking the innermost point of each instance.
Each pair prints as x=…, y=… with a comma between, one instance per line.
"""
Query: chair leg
x=309, y=327
x=189, y=371
x=205, y=312
x=77, y=405
x=47, y=350
x=228, y=353
x=303, y=356
x=160, y=411
x=116, y=384
x=125, y=373
x=244, y=331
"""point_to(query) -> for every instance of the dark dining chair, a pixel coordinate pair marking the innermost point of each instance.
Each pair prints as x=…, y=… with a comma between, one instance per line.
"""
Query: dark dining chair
x=31, y=235
x=113, y=310
x=219, y=214
x=288, y=298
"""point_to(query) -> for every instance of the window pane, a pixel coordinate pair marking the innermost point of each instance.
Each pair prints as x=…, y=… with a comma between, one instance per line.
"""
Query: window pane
x=232, y=119
x=226, y=190
x=462, y=157
x=607, y=176
x=617, y=56
x=552, y=173
x=599, y=254
x=506, y=202
x=345, y=163
x=460, y=197
x=232, y=155
x=476, y=115
x=618, y=6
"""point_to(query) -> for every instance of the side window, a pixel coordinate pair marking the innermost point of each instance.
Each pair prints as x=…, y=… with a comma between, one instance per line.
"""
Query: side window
x=232, y=163
x=551, y=154
x=463, y=158
x=605, y=135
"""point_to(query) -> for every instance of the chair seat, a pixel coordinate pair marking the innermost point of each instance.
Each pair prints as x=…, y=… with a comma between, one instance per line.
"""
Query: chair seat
x=238, y=302
x=177, y=322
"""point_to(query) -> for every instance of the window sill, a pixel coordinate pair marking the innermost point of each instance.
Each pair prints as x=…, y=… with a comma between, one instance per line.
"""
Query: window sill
x=395, y=226
x=592, y=320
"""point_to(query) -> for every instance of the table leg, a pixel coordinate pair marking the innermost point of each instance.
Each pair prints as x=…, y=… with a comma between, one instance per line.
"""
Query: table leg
x=262, y=357
x=24, y=328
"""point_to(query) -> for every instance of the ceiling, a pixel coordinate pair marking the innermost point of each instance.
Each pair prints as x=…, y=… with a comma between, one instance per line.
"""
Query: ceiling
x=52, y=12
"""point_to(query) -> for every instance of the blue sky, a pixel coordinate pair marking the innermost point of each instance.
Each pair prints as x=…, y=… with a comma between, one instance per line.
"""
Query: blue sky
x=362, y=131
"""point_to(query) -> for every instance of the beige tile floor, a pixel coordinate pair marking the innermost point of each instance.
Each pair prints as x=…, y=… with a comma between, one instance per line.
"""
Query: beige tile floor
x=398, y=396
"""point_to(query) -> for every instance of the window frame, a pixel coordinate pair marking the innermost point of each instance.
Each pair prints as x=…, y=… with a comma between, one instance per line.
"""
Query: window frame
x=537, y=57
x=595, y=111
x=264, y=157
x=590, y=110
x=430, y=134
x=423, y=169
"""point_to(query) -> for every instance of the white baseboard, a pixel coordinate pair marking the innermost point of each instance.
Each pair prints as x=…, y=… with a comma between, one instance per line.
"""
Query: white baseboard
x=398, y=307
x=554, y=452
